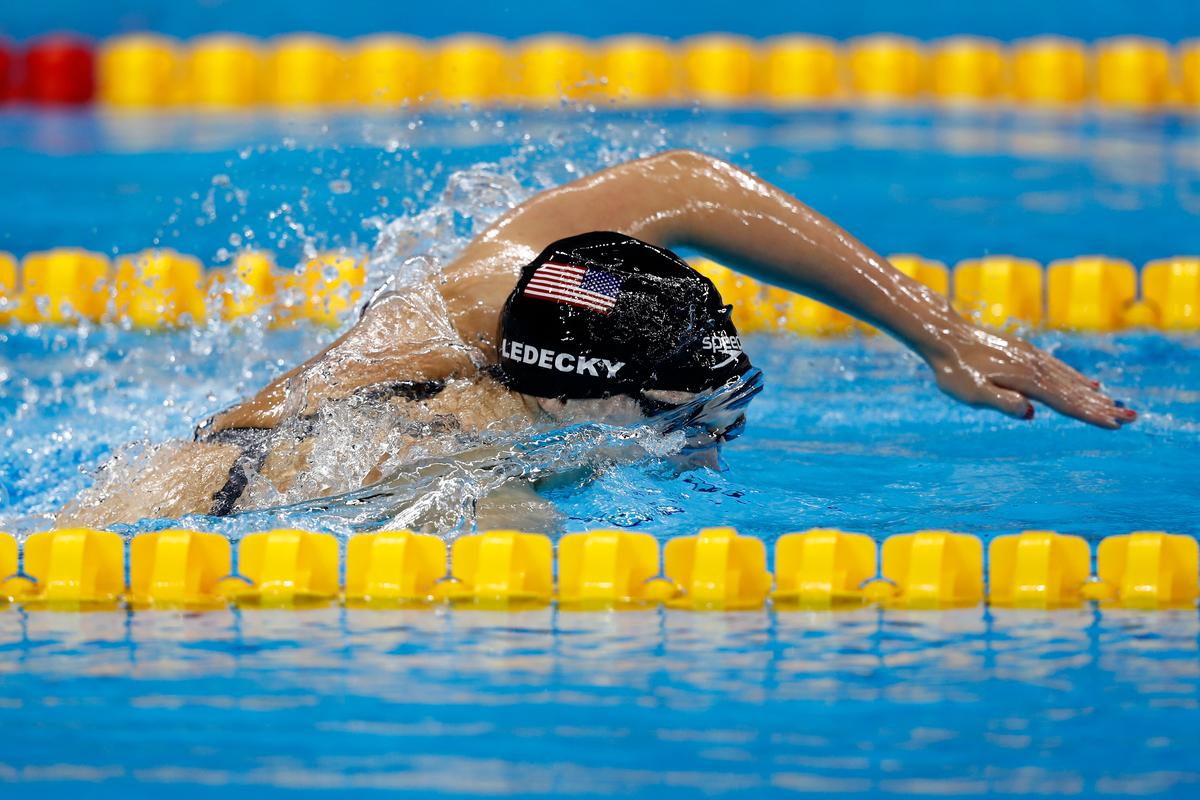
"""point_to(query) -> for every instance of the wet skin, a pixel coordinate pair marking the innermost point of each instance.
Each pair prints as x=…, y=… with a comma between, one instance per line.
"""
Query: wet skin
x=680, y=199
x=446, y=329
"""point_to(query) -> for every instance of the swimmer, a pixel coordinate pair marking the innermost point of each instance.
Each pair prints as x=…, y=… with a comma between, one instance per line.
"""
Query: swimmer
x=571, y=308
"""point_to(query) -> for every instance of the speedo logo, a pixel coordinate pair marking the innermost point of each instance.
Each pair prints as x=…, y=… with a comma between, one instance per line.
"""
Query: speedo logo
x=726, y=345
x=562, y=362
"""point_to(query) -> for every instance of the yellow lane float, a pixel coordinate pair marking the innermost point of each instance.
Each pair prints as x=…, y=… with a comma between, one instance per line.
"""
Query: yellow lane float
x=224, y=72
x=501, y=570
x=735, y=289
x=934, y=569
x=8, y=555
x=324, y=289
x=758, y=308
x=178, y=569
x=1050, y=70
x=1150, y=569
x=1189, y=72
x=1038, y=569
x=66, y=284
x=1000, y=289
x=923, y=270
x=246, y=287
x=305, y=70
x=285, y=569
x=638, y=70
x=552, y=68
x=808, y=317
x=8, y=287
x=609, y=570
x=160, y=288
x=139, y=71
x=8, y=568
x=387, y=70
x=800, y=70
x=885, y=67
x=469, y=68
x=1089, y=293
x=823, y=568
x=72, y=569
x=717, y=570
x=393, y=568
x=1133, y=72
x=769, y=309
x=227, y=71
x=968, y=69
x=719, y=69
x=1171, y=287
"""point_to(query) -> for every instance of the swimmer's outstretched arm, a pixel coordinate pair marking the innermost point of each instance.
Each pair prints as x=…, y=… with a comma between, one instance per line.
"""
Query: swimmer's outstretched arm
x=683, y=198
x=673, y=199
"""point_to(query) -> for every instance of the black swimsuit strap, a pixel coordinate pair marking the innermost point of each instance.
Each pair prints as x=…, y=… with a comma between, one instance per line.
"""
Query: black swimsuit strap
x=255, y=443
x=405, y=390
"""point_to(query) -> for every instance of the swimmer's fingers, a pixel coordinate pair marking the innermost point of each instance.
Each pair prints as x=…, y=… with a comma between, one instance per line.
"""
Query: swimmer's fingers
x=1006, y=373
x=1072, y=399
x=1047, y=367
x=1042, y=377
x=1072, y=393
x=1072, y=374
x=1006, y=401
x=973, y=387
x=1092, y=410
x=1056, y=368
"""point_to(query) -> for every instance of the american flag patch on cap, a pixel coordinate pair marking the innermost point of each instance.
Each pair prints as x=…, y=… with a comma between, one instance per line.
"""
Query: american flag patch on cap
x=585, y=287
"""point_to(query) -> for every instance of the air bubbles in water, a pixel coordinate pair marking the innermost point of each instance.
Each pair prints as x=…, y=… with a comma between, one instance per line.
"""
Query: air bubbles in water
x=81, y=399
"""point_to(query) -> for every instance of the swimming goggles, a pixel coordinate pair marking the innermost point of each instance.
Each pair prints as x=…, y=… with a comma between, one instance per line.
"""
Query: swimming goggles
x=710, y=419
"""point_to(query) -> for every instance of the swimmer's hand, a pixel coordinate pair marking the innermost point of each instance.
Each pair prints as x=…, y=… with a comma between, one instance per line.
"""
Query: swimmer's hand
x=992, y=370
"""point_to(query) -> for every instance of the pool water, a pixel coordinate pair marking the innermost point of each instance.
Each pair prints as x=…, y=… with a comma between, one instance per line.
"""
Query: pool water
x=848, y=433
x=643, y=704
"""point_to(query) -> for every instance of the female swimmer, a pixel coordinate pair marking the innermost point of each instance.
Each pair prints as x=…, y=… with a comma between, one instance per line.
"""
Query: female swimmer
x=570, y=308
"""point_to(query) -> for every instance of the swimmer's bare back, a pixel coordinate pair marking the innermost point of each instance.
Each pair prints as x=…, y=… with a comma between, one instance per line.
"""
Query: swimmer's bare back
x=677, y=199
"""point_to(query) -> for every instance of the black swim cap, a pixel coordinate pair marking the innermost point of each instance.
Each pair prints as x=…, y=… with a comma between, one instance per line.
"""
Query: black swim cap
x=603, y=313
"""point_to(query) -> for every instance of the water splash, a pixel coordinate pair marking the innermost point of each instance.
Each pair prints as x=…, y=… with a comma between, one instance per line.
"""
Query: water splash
x=99, y=406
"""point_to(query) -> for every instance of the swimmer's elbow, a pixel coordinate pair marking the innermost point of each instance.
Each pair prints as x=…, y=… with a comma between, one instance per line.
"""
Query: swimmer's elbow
x=682, y=160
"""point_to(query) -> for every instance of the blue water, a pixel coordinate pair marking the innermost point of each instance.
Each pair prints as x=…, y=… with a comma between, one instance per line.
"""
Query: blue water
x=1170, y=19
x=641, y=704
x=1044, y=187
x=848, y=433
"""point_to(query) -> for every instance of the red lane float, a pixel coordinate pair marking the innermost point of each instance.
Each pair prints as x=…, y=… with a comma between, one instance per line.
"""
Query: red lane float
x=8, y=57
x=60, y=70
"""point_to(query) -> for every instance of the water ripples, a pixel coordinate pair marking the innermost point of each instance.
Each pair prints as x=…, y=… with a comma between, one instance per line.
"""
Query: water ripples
x=548, y=703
